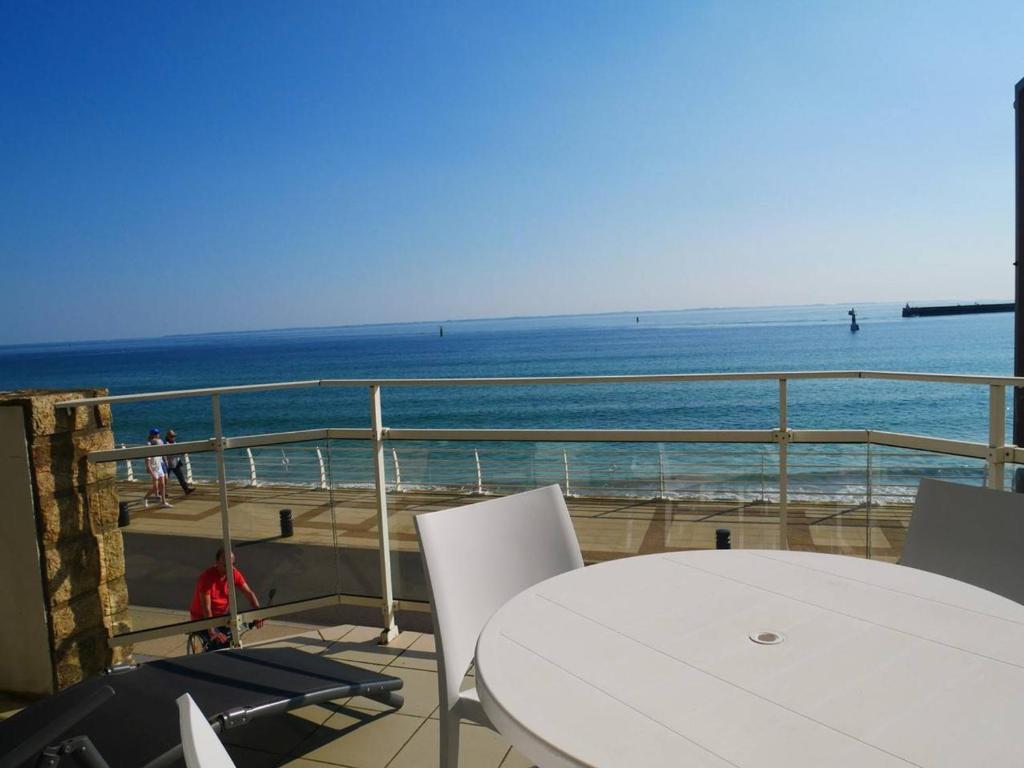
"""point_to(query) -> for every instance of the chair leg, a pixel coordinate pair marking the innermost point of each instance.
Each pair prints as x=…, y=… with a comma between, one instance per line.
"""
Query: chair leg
x=449, y=739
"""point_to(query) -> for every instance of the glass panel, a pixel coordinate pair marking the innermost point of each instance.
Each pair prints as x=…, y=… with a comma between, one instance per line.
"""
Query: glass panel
x=351, y=480
x=160, y=574
x=164, y=551
x=828, y=499
x=624, y=498
x=328, y=547
x=265, y=482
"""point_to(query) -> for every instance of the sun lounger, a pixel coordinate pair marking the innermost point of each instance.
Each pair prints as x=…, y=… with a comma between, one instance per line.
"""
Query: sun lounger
x=128, y=717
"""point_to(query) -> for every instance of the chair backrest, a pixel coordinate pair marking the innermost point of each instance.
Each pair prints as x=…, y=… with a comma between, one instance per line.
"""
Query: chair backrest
x=199, y=743
x=968, y=533
x=479, y=556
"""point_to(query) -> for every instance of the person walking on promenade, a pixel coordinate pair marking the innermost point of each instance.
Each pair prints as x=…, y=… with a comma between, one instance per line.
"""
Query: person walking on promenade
x=155, y=467
x=174, y=464
x=211, y=598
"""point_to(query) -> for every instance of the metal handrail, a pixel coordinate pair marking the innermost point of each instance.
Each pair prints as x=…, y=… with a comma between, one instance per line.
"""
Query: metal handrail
x=661, y=378
x=964, y=448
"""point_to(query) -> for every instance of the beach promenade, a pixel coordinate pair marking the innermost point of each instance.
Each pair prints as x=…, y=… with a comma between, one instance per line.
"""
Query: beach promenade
x=607, y=527
x=334, y=546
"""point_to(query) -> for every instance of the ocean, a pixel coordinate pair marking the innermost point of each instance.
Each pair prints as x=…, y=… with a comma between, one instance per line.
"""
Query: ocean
x=702, y=340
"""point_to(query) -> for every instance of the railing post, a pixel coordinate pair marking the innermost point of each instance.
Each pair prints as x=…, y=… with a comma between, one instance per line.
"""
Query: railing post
x=188, y=469
x=867, y=501
x=661, y=471
x=225, y=525
x=390, y=628
x=996, y=435
x=129, y=468
x=252, y=467
x=761, y=449
x=783, y=469
x=398, y=470
x=1018, y=263
x=565, y=461
x=323, y=469
x=479, y=473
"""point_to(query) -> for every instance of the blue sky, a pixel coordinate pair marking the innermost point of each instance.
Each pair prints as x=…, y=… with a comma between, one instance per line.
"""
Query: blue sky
x=173, y=167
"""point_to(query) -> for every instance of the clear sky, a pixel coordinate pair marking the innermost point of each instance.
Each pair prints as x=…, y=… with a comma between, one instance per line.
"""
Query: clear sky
x=175, y=167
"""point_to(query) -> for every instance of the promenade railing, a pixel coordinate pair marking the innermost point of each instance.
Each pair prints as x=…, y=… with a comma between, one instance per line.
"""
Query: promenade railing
x=776, y=465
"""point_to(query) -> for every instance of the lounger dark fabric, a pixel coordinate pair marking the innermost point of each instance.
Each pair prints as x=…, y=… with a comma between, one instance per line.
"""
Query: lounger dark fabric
x=132, y=719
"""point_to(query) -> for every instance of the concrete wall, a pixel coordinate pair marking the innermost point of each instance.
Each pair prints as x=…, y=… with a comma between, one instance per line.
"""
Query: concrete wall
x=25, y=663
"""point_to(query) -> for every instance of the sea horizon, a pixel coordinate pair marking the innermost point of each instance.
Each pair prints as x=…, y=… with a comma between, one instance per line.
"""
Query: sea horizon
x=433, y=323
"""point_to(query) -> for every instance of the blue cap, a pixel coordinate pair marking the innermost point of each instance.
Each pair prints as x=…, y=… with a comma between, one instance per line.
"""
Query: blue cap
x=154, y=431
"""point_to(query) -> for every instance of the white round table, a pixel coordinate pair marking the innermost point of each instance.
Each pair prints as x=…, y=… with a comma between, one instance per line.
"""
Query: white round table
x=649, y=661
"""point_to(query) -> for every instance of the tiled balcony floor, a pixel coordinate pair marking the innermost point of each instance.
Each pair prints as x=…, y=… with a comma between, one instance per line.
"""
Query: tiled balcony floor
x=367, y=734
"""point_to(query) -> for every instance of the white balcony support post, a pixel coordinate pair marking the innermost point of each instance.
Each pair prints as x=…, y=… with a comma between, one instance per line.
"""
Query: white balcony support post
x=867, y=503
x=661, y=471
x=783, y=469
x=398, y=470
x=390, y=627
x=225, y=525
x=565, y=461
x=188, y=470
x=479, y=473
x=252, y=467
x=129, y=468
x=996, y=435
x=323, y=469
x=761, y=451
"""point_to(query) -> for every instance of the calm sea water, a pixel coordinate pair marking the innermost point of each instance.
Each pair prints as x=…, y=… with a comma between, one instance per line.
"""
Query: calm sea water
x=757, y=339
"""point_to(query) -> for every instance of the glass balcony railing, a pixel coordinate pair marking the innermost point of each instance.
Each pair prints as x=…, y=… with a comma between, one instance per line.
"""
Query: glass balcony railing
x=324, y=517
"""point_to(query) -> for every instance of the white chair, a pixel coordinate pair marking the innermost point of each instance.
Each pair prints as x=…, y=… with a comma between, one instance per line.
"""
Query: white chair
x=199, y=743
x=970, y=534
x=476, y=558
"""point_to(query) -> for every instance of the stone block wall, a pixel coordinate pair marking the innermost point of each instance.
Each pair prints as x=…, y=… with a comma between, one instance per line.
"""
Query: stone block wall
x=81, y=550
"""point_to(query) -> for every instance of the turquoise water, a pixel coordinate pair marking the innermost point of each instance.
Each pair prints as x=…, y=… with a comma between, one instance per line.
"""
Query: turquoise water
x=720, y=340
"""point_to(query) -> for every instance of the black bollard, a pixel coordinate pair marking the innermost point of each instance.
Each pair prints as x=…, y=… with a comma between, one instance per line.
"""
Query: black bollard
x=287, y=528
x=722, y=538
x=123, y=515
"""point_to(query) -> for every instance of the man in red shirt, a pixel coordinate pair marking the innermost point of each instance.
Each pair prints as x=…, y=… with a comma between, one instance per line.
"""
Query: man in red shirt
x=211, y=597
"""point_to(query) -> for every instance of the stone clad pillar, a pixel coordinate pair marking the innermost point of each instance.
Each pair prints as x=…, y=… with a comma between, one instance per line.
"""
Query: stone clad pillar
x=65, y=583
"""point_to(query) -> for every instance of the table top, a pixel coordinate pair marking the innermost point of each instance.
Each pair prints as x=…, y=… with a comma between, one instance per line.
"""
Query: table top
x=650, y=661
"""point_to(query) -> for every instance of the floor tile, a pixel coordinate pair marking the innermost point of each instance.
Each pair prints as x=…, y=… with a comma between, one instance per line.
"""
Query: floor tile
x=515, y=760
x=281, y=734
x=419, y=689
x=311, y=642
x=370, y=741
x=479, y=747
x=361, y=644
x=419, y=655
x=11, y=705
x=333, y=634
